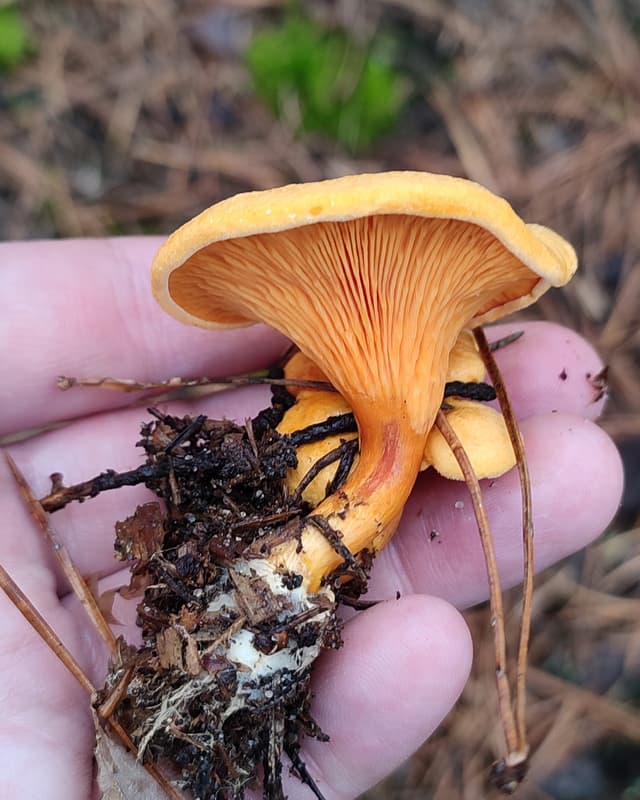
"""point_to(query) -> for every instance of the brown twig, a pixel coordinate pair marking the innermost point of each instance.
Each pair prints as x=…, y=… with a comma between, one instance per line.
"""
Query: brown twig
x=527, y=533
x=65, y=382
x=509, y=339
x=61, y=495
x=514, y=756
x=76, y=581
x=348, y=448
x=107, y=708
x=335, y=540
x=470, y=390
x=43, y=629
x=301, y=768
x=53, y=641
x=340, y=423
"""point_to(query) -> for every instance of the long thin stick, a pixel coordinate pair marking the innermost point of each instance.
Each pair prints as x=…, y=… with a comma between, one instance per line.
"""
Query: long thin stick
x=65, y=382
x=527, y=533
x=472, y=389
x=42, y=627
x=72, y=573
x=49, y=636
x=495, y=593
x=106, y=709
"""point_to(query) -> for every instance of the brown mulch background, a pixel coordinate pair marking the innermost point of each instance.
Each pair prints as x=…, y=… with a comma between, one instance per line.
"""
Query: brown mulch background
x=130, y=117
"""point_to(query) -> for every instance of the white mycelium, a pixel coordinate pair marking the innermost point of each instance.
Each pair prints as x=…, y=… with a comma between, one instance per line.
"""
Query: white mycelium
x=260, y=676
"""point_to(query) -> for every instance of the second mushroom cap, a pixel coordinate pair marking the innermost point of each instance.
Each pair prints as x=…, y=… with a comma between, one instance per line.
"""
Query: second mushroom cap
x=372, y=276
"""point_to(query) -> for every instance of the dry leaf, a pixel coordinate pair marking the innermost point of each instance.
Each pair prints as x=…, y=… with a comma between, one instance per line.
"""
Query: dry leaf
x=120, y=775
x=169, y=646
x=141, y=535
x=105, y=604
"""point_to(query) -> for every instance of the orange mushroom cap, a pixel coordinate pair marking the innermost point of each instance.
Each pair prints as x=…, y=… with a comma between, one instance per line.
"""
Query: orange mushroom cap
x=373, y=277
x=363, y=273
x=483, y=434
x=465, y=361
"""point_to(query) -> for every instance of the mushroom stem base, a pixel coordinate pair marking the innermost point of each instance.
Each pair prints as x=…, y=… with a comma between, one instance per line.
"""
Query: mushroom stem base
x=364, y=513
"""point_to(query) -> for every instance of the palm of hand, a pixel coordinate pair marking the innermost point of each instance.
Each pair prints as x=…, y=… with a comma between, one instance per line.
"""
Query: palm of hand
x=404, y=661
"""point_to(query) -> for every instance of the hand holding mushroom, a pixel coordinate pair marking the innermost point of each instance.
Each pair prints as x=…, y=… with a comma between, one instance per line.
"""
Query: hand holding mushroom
x=374, y=278
x=421, y=635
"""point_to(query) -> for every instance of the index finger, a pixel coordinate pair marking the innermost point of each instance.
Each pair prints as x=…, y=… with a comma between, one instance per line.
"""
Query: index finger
x=84, y=308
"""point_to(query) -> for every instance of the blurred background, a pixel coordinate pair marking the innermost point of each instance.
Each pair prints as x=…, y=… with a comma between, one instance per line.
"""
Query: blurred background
x=130, y=116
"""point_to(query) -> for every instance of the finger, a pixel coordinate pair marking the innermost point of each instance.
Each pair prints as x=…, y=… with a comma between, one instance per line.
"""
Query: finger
x=401, y=669
x=86, y=447
x=550, y=368
x=46, y=737
x=80, y=451
x=84, y=308
x=42, y=704
x=577, y=478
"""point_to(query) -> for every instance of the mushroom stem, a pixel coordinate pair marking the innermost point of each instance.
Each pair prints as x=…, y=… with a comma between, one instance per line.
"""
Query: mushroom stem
x=365, y=511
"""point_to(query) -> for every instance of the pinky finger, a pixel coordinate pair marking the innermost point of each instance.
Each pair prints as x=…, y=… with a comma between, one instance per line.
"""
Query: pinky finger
x=403, y=665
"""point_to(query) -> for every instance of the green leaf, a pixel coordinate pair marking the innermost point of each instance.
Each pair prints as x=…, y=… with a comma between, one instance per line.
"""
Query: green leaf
x=632, y=792
x=316, y=79
x=14, y=42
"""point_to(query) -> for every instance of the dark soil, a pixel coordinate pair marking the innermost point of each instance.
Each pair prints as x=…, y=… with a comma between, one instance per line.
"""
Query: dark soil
x=222, y=501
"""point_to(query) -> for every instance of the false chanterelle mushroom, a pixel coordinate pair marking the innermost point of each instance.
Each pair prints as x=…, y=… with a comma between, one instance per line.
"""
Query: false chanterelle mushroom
x=376, y=279
x=373, y=277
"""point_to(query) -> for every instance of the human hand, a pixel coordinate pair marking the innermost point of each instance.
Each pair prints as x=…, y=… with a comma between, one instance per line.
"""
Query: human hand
x=85, y=308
